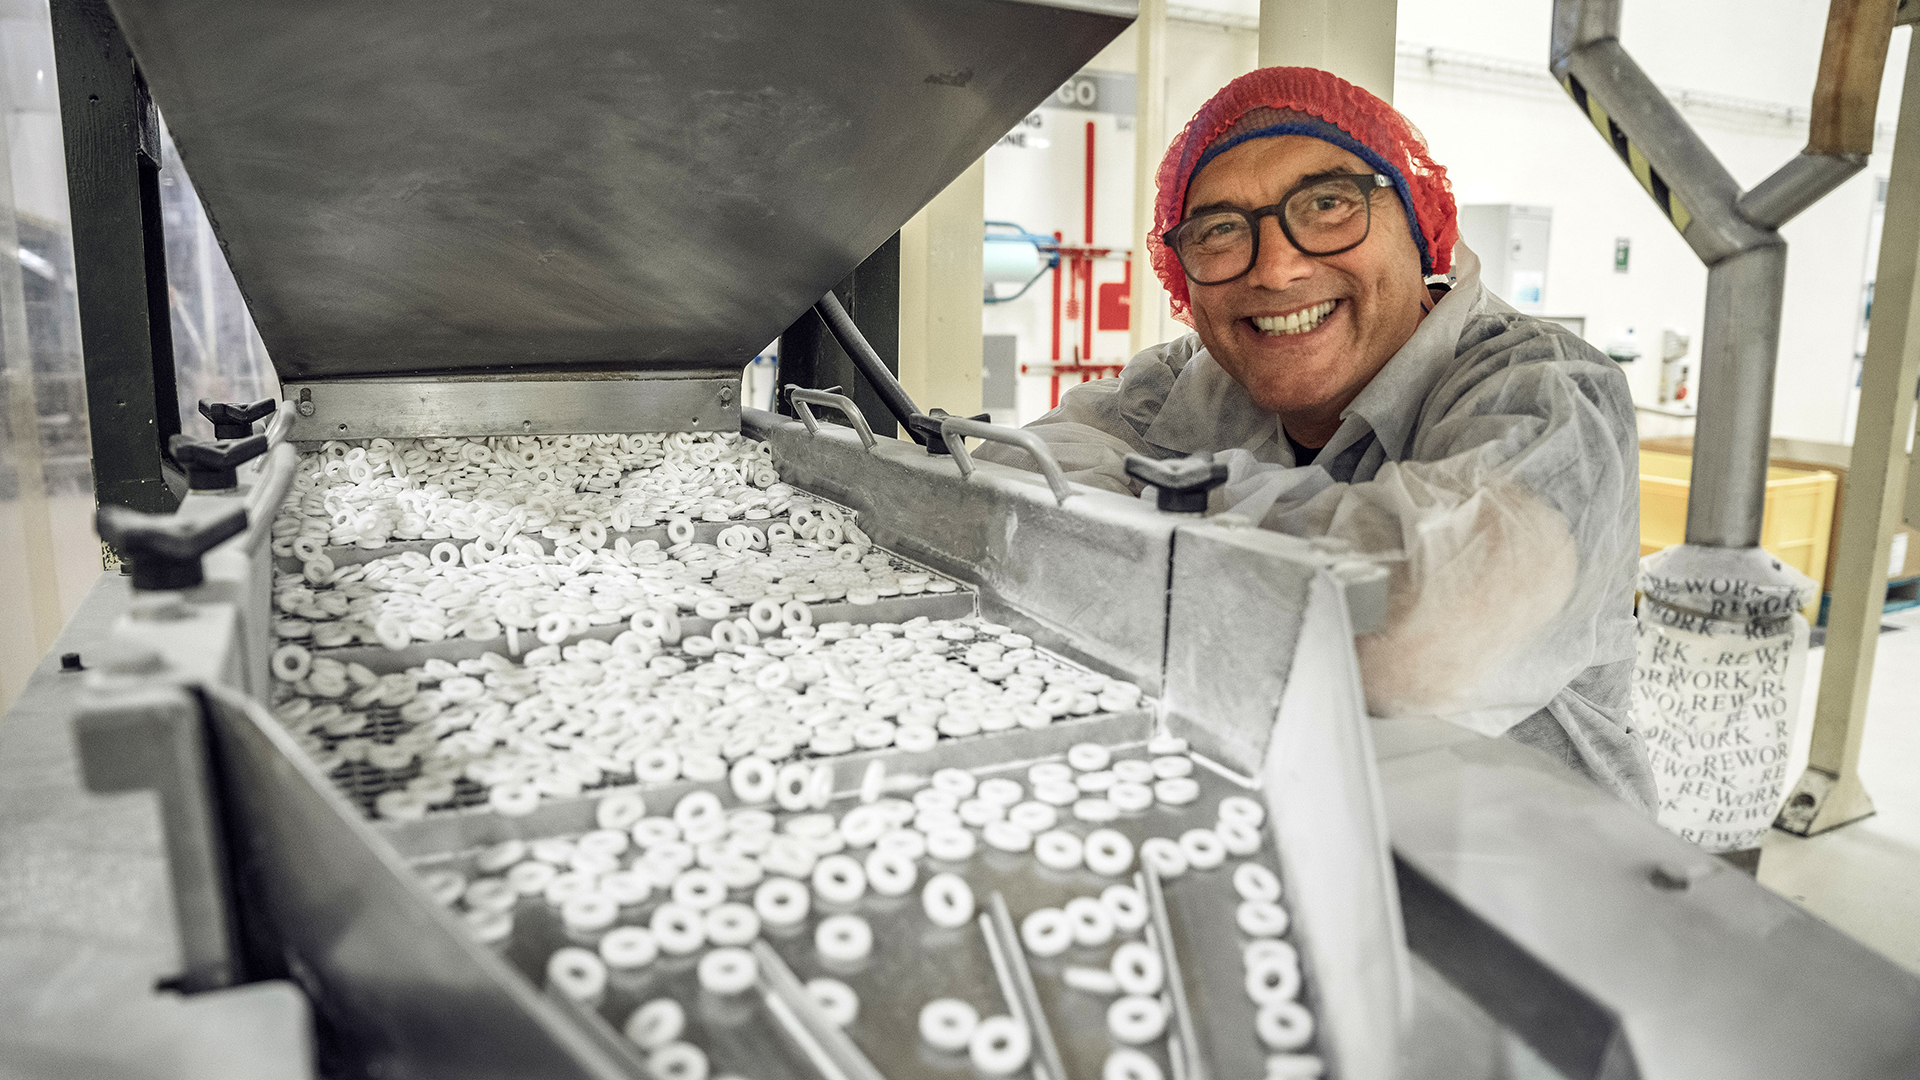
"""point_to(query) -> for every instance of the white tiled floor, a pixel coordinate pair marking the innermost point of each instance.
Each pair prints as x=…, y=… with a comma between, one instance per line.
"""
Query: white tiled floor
x=1865, y=878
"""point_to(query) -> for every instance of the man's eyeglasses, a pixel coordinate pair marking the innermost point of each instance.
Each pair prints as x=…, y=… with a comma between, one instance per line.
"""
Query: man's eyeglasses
x=1325, y=215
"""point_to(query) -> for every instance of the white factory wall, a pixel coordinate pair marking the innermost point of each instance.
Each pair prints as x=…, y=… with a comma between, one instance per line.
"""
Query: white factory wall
x=1508, y=134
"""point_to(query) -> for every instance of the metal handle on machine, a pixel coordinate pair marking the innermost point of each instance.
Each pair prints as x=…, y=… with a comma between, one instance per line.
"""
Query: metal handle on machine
x=841, y=325
x=1033, y=444
x=802, y=397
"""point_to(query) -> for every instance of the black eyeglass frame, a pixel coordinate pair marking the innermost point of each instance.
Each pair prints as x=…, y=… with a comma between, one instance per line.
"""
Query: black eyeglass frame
x=1277, y=211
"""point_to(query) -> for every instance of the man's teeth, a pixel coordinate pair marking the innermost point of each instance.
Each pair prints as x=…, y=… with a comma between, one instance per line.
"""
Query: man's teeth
x=1297, y=323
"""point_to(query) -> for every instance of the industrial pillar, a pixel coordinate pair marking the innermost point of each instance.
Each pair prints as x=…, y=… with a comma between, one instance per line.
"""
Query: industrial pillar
x=1146, y=299
x=1829, y=793
x=1351, y=38
x=940, y=290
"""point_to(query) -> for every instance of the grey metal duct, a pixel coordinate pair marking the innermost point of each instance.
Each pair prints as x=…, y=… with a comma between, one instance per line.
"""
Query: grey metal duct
x=1733, y=232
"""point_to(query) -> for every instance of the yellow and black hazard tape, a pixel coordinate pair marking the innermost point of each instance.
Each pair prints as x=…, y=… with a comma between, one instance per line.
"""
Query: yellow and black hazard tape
x=1663, y=196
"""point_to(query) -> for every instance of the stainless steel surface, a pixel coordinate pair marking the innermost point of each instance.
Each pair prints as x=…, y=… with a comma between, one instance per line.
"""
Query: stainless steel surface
x=597, y=185
x=573, y=403
x=149, y=736
x=1738, y=346
x=1006, y=535
x=1718, y=979
x=1802, y=181
x=1017, y=983
x=1187, y=1049
x=837, y=1058
x=1010, y=436
x=802, y=398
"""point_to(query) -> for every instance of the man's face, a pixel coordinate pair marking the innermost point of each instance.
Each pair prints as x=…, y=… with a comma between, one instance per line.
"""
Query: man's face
x=1306, y=376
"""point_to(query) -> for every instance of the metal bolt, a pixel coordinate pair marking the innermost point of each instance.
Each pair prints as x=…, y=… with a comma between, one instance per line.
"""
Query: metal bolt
x=726, y=395
x=71, y=662
x=305, y=404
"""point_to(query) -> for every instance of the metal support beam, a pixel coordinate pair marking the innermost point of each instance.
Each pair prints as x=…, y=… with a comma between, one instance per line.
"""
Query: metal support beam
x=1829, y=793
x=1145, y=299
x=112, y=140
x=1738, y=348
x=810, y=357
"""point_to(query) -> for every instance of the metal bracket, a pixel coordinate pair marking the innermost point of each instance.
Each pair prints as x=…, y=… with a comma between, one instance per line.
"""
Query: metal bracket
x=802, y=397
x=1033, y=444
x=152, y=737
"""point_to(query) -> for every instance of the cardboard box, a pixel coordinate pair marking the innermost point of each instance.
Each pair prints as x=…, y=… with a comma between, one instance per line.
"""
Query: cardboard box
x=1904, y=557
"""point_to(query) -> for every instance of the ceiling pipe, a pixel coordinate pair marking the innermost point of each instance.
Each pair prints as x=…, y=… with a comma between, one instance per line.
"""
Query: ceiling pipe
x=1733, y=232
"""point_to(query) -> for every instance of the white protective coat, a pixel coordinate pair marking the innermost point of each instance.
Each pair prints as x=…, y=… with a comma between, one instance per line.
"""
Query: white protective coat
x=1493, y=461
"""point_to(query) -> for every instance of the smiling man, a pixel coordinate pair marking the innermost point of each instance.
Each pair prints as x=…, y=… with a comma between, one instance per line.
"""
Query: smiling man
x=1488, y=457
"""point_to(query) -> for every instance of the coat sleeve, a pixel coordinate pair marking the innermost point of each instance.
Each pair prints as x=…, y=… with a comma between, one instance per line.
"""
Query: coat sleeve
x=1510, y=529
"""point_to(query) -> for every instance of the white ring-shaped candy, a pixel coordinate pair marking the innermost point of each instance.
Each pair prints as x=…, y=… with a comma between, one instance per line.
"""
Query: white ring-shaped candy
x=1006, y=836
x=679, y=930
x=444, y=555
x=514, y=800
x=1165, y=856
x=657, y=1023
x=948, y=1024
x=907, y=843
x=727, y=971
x=791, y=787
x=1273, y=979
x=1095, y=781
x=958, y=783
x=1134, y=771
x=1126, y=905
x=1108, y=853
x=1000, y=1046
x=1058, y=849
x=1203, y=848
x=789, y=856
x=753, y=780
x=291, y=663
x=1255, y=882
x=678, y=1061
x=1261, y=918
x=835, y=1000
x=712, y=607
x=863, y=825
x=531, y=878
x=843, y=939
x=553, y=627
x=1136, y=1019
x=1050, y=772
x=1035, y=817
x=699, y=645
x=839, y=879
x=1055, y=793
x=577, y=973
x=589, y=911
x=915, y=738
x=726, y=637
x=948, y=900
x=1172, y=767
x=1089, y=757
x=1046, y=932
x=493, y=894
x=648, y=832
x=620, y=810
x=732, y=924
x=698, y=809
x=1138, y=969
x=700, y=890
x=1240, y=838
x=1243, y=810
x=1284, y=1025
x=629, y=947
x=1000, y=791
x=794, y=614
x=680, y=530
x=782, y=902
x=660, y=765
x=1129, y=797
x=765, y=615
x=1178, y=791
x=1092, y=926
x=1126, y=1063
x=953, y=844
x=500, y=856
x=1098, y=811
x=978, y=812
x=889, y=874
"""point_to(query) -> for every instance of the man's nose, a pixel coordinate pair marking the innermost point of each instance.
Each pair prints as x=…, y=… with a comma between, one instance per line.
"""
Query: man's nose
x=1280, y=263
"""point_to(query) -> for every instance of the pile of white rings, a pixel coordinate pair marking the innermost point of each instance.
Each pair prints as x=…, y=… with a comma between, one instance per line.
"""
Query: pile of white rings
x=713, y=877
x=735, y=705
x=524, y=561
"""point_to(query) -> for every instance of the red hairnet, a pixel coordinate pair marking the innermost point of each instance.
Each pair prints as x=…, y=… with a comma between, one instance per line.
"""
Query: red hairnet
x=1305, y=101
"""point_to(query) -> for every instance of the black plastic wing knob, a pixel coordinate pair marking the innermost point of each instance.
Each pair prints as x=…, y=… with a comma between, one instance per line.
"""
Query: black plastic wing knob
x=233, y=419
x=210, y=465
x=1182, y=482
x=165, y=549
x=927, y=427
